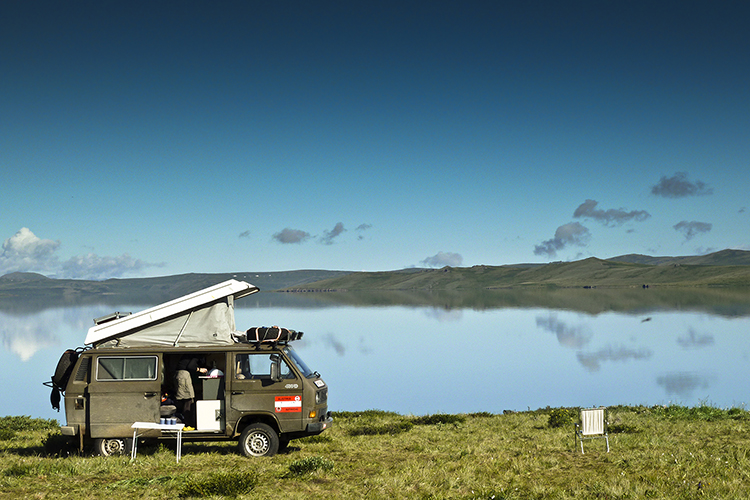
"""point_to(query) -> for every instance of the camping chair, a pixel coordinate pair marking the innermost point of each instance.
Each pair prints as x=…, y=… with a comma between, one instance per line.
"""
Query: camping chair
x=592, y=426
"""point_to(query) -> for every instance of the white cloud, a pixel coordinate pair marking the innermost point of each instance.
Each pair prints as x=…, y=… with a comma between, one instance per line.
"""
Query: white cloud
x=442, y=259
x=361, y=228
x=692, y=229
x=612, y=216
x=92, y=266
x=328, y=236
x=573, y=233
x=288, y=235
x=26, y=252
x=678, y=186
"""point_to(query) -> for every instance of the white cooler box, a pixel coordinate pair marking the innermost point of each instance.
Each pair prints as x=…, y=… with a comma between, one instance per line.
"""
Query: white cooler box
x=209, y=415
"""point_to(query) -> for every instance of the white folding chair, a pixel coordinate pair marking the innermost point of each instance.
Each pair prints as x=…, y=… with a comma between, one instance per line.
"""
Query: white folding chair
x=592, y=425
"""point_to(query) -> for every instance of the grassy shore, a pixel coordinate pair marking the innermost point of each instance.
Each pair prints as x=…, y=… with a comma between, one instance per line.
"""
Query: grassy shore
x=656, y=452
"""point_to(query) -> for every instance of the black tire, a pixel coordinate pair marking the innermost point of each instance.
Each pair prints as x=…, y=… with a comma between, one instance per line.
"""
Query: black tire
x=259, y=440
x=283, y=444
x=108, y=447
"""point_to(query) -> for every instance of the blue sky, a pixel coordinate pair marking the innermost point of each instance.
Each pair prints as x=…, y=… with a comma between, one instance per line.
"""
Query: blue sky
x=148, y=138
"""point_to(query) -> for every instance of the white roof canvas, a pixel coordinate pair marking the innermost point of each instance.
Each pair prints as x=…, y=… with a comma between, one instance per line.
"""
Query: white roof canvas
x=203, y=317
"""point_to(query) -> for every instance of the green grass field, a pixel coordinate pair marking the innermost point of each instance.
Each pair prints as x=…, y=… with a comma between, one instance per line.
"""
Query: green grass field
x=656, y=452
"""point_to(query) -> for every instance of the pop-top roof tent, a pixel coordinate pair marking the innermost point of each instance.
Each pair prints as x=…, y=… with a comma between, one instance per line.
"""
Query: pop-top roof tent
x=201, y=318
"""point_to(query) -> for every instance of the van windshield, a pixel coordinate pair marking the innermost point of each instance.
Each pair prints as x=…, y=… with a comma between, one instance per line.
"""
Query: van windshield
x=306, y=372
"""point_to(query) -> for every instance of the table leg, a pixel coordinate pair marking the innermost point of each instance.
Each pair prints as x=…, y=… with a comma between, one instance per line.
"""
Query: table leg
x=179, y=445
x=134, y=450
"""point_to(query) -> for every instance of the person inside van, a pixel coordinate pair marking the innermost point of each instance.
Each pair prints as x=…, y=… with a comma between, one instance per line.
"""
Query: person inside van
x=185, y=394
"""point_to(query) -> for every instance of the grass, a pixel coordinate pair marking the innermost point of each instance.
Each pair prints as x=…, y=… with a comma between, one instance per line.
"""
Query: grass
x=657, y=452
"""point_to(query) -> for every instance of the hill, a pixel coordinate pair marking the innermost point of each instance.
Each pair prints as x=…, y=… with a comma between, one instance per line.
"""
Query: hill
x=725, y=268
x=722, y=258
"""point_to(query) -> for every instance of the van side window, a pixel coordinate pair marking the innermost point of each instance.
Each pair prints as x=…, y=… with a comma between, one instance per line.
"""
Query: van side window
x=258, y=366
x=126, y=368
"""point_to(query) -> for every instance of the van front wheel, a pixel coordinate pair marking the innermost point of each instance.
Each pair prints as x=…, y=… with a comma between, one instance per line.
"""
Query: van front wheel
x=107, y=447
x=259, y=440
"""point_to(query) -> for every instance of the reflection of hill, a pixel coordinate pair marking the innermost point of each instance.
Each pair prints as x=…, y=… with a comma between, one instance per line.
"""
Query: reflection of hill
x=720, y=301
x=24, y=292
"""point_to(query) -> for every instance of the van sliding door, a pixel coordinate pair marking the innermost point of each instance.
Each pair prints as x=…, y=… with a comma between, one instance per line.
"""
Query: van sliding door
x=123, y=390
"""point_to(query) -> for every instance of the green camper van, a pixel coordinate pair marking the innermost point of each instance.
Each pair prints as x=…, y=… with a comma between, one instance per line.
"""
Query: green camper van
x=250, y=386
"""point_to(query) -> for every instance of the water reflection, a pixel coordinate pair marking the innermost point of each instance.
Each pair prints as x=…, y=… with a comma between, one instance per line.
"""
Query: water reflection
x=694, y=340
x=592, y=360
x=728, y=302
x=579, y=336
x=574, y=337
x=684, y=384
x=413, y=355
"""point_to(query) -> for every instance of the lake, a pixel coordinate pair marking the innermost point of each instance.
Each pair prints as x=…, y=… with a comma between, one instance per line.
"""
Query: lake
x=488, y=351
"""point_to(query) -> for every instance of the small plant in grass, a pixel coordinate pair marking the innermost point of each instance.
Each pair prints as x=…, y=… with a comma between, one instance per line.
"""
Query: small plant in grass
x=560, y=417
x=229, y=484
x=737, y=413
x=20, y=470
x=482, y=414
x=7, y=434
x=309, y=465
x=364, y=414
x=704, y=412
x=439, y=418
x=377, y=429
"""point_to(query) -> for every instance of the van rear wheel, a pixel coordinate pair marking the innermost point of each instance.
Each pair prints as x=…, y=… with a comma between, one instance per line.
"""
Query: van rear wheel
x=107, y=447
x=259, y=440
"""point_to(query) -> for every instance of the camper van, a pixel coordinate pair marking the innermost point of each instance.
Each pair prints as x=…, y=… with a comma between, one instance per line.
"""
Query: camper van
x=249, y=386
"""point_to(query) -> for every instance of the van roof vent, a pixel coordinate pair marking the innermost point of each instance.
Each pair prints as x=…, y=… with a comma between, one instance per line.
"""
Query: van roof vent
x=110, y=317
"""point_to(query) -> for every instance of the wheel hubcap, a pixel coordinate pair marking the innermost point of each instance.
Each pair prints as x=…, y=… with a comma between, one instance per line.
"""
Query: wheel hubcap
x=258, y=443
x=114, y=446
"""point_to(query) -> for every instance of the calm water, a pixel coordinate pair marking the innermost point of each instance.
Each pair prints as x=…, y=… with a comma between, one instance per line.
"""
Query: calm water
x=420, y=354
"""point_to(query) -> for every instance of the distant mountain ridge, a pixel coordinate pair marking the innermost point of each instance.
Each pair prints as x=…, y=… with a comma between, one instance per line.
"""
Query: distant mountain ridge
x=724, y=268
x=721, y=258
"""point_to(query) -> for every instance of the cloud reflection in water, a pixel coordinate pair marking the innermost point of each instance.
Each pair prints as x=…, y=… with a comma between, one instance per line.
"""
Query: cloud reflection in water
x=574, y=337
x=592, y=360
x=682, y=384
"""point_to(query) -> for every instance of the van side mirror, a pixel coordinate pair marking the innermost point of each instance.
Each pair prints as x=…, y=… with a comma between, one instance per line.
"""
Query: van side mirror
x=275, y=369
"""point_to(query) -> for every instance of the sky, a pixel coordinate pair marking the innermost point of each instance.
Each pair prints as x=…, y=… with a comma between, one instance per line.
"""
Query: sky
x=151, y=138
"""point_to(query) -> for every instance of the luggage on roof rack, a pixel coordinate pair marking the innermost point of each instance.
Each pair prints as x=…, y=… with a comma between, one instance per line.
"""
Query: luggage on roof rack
x=259, y=334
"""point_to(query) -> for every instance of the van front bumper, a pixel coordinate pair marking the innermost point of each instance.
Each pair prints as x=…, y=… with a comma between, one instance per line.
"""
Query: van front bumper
x=318, y=427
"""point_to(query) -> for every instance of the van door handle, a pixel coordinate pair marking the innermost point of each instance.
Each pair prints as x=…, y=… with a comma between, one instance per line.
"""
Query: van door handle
x=149, y=394
x=234, y=393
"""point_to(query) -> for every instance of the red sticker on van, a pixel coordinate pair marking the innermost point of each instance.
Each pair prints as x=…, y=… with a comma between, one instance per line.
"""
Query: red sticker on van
x=288, y=404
